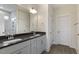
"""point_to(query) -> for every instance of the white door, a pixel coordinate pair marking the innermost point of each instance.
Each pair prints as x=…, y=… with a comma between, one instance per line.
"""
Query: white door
x=64, y=30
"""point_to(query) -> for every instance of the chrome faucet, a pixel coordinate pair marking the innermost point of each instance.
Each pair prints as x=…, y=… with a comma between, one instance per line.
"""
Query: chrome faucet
x=34, y=33
x=10, y=37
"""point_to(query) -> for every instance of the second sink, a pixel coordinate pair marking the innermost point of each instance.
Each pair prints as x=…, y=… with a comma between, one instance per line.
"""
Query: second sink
x=11, y=41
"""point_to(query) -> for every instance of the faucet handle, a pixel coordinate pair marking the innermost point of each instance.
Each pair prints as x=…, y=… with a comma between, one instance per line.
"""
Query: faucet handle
x=10, y=37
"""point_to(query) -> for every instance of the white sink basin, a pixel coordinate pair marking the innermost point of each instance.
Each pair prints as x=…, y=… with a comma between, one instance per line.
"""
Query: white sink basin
x=34, y=36
x=11, y=41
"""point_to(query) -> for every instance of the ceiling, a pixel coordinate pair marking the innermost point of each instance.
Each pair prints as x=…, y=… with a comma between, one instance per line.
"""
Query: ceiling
x=28, y=6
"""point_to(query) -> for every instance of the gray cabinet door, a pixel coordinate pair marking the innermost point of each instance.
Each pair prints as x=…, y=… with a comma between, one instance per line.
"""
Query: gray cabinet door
x=43, y=43
x=25, y=50
x=38, y=45
x=33, y=46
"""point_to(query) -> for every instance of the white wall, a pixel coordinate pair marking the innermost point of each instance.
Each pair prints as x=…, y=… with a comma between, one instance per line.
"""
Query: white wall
x=77, y=25
x=51, y=24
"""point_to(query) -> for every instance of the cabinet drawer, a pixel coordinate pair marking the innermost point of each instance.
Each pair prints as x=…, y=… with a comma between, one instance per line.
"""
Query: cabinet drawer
x=33, y=46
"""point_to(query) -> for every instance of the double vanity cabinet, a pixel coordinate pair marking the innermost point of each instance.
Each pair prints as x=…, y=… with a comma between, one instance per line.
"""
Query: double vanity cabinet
x=33, y=46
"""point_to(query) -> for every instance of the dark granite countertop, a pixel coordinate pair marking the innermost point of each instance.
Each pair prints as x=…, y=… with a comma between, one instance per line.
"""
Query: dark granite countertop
x=24, y=37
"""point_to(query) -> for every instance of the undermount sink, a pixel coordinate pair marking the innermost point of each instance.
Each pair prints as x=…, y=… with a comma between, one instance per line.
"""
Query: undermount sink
x=5, y=43
x=34, y=36
x=11, y=41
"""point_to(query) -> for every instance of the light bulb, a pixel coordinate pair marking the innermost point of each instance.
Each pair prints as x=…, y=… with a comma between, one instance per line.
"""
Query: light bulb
x=6, y=17
x=33, y=11
x=13, y=19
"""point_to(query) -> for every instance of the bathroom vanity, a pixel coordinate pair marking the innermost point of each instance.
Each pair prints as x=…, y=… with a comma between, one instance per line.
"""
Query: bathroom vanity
x=29, y=44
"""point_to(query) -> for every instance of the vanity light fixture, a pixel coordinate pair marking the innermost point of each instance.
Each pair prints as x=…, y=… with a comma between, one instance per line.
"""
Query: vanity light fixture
x=33, y=11
x=6, y=17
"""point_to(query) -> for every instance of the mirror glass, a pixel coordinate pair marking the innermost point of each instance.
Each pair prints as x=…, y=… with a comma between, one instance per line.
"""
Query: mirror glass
x=7, y=15
x=17, y=19
x=26, y=20
x=4, y=22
